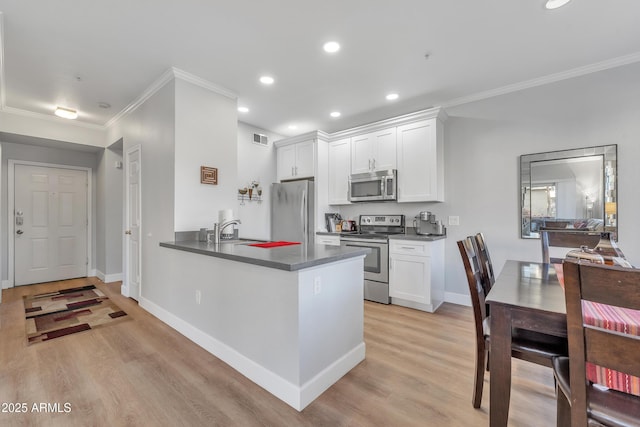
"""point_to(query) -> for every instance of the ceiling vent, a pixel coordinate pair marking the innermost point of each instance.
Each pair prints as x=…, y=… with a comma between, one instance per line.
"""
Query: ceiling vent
x=260, y=139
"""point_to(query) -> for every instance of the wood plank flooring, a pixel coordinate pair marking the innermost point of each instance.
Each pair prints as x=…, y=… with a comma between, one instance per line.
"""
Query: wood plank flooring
x=418, y=371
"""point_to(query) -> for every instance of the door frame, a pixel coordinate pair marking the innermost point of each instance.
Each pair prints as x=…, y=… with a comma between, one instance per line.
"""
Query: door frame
x=125, y=288
x=11, y=208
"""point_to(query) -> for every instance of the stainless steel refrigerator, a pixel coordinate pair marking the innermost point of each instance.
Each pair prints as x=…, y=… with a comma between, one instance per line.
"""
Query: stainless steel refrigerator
x=292, y=212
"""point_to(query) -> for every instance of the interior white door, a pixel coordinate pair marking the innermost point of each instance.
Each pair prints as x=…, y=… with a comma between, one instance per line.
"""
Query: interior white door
x=132, y=225
x=50, y=224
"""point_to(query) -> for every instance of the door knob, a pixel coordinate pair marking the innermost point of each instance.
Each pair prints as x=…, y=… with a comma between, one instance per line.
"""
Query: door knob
x=19, y=232
x=127, y=232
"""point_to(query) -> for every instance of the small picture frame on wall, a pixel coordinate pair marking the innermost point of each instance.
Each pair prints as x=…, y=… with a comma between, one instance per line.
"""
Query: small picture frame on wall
x=208, y=175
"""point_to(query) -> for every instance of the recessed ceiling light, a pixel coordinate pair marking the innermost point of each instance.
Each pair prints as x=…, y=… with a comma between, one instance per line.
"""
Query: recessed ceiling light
x=243, y=109
x=392, y=96
x=66, y=113
x=267, y=80
x=293, y=127
x=335, y=114
x=331, y=47
x=554, y=4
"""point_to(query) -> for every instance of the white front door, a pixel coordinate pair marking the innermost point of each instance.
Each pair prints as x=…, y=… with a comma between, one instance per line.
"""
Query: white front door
x=132, y=224
x=50, y=224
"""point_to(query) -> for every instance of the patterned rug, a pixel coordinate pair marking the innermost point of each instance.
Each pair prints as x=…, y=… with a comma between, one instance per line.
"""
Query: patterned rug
x=56, y=314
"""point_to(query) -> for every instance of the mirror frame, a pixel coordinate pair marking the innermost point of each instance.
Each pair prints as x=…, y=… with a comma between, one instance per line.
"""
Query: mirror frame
x=610, y=181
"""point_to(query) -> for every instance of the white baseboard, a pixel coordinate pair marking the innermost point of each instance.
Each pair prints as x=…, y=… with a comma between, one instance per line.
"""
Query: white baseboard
x=108, y=278
x=6, y=284
x=295, y=396
x=460, y=299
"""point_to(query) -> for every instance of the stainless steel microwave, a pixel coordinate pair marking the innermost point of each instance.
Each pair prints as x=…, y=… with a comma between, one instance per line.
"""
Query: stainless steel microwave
x=373, y=186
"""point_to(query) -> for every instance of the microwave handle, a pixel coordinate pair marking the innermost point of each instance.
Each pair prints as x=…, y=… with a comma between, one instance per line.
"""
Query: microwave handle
x=383, y=186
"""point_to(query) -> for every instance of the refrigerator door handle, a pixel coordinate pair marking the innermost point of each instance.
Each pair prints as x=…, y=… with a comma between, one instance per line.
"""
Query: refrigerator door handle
x=303, y=215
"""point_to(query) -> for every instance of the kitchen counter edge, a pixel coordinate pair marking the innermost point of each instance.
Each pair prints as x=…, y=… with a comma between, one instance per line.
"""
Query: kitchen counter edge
x=288, y=258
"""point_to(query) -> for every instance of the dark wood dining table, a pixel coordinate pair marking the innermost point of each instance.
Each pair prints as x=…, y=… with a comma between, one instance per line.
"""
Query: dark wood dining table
x=526, y=295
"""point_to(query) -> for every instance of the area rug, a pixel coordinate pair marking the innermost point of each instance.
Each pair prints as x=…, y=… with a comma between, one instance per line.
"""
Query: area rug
x=68, y=311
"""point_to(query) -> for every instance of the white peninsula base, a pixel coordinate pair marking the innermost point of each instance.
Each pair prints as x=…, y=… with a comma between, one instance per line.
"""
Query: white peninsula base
x=294, y=333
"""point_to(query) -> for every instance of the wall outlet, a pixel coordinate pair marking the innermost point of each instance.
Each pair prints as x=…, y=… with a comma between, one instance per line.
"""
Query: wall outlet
x=317, y=286
x=454, y=220
x=198, y=296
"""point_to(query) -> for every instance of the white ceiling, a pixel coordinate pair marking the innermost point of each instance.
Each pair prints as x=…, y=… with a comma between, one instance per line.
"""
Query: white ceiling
x=77, y=53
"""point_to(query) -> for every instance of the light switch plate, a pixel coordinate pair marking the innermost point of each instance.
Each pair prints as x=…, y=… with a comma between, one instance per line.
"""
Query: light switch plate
x=454, y=220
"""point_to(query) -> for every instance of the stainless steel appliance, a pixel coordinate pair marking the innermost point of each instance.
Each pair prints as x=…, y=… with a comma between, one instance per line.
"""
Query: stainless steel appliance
x=373, y=186
x=426, y=223
x=374, y=232
x=292, y=211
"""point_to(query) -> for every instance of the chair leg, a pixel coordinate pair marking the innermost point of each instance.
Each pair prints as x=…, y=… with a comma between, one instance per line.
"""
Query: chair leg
x=481, y=355
x=563, y=409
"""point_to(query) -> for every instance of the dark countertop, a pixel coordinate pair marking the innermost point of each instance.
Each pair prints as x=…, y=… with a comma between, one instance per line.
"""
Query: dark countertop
x=289, y=258
x=409, y=235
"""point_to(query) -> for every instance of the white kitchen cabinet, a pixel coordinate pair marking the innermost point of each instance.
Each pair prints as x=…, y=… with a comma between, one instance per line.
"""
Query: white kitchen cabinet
x=295, y=161
x=324, y=239
x=420, y=155
x=339, y=170
x=416, y=273
x=374, y=151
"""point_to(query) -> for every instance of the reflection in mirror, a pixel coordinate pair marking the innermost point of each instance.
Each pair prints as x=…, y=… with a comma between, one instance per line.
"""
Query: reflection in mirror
x=573, y=189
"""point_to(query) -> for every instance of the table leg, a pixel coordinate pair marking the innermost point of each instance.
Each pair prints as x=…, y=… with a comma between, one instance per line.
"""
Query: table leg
x=500, y=366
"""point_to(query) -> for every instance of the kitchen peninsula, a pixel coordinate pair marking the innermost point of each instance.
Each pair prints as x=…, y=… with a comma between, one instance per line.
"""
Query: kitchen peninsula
x=289, y=318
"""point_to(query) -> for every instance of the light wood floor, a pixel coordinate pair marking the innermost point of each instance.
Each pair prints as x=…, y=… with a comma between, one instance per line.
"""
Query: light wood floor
x=417, y=372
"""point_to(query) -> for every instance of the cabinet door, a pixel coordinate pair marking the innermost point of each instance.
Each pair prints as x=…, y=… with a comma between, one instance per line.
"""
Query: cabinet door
x=361, y=154
x=409, y=278
x=419, y=163
x=339, y=169
x=286, y=162
x=384, y=149
x=304, y=159
x=328, y=240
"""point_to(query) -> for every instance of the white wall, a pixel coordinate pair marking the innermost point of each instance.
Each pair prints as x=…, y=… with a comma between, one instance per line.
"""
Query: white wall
x=255, y=163
x=206, y=135
x=483, y=142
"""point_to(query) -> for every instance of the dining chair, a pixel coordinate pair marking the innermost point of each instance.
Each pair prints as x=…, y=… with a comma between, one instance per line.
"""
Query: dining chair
x=526, y=345
x=484, y=259
x=580, y=402
x=565, y=238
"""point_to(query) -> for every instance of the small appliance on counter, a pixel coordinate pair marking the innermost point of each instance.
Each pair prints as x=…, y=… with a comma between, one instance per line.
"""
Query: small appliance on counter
x=425, y=223
x=332, y=222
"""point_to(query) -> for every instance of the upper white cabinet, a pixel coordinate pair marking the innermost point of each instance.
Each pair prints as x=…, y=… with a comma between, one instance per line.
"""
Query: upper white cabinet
x=374, y=151
x=420, y=161
x=295, y=161
x=339, y=170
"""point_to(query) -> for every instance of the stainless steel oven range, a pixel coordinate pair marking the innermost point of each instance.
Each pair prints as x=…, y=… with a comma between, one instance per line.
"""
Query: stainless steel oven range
x=374, y=232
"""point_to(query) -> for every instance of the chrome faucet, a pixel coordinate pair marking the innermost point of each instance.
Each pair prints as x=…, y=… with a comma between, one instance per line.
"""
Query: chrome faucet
x=219, y=228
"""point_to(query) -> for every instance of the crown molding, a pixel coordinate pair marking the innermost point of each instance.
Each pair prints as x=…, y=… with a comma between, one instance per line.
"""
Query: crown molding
x=551, y=78
x=432, y=113
x=316, y=135
x=169, y=75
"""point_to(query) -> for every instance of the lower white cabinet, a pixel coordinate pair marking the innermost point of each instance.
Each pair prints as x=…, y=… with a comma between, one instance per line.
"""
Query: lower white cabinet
x=323, y=239
x=416, y=273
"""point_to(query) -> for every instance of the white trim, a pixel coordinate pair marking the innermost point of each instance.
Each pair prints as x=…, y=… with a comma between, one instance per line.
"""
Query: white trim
x=5, y=285
x=317, y=135
x=460, y=299
x=108, y=278
x=10, y=208
x=295, y=396
x=169, y=75
x=540, y=81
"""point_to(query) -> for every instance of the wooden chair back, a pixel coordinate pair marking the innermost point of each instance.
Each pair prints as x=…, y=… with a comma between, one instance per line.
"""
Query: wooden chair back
x=610, y=285
x=566, y=238
x=476, y=288
x=484, y=259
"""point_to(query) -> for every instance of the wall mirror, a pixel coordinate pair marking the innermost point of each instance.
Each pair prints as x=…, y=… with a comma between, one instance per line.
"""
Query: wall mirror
x=574, y=189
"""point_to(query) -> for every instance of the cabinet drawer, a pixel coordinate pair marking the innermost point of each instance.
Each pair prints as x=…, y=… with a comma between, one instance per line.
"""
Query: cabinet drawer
x=410, y=247
x=328, y=240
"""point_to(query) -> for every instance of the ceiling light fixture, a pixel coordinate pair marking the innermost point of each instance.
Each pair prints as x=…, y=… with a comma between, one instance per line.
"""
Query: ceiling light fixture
x=331, y=47
x=335, y=114
x=266, y=80
x=243, y=109
x=293, y=127
x=554, y=4
x=66, y=113
x=392, y=96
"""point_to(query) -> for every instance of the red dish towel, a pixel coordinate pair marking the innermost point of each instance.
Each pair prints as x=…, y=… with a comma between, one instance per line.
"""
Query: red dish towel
x=273, y=244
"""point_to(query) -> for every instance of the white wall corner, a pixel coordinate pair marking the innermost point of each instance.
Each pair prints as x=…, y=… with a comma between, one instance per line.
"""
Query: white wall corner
x=6, y=284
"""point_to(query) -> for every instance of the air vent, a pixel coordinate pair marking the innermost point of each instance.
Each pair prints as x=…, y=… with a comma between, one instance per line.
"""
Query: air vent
x=260, y=139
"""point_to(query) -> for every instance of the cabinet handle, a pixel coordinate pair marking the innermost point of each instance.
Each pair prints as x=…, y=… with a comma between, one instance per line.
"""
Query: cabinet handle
x=369, y=164
x=296, y=171
x=292, y=172
x=408, y=248
x=374, y=163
